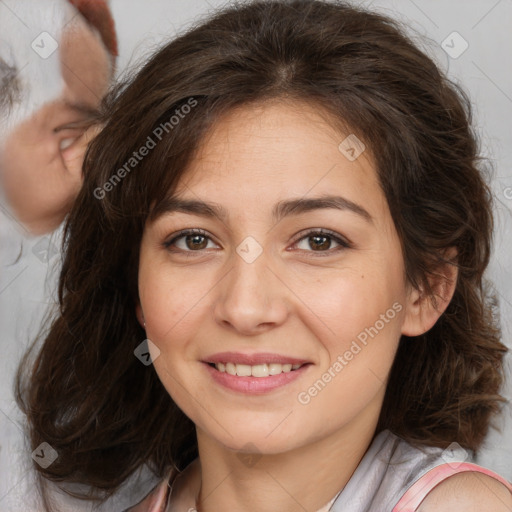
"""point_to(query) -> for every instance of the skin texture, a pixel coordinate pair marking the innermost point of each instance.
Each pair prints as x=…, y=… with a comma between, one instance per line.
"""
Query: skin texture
x=293, y=300
x=468, y=492
x=41, y=159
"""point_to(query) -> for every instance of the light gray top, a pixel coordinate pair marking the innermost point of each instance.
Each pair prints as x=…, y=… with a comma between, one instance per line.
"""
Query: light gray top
x=389, y=467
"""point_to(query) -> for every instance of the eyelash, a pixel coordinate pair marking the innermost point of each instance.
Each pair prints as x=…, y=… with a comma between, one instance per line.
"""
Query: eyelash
x=343, y=244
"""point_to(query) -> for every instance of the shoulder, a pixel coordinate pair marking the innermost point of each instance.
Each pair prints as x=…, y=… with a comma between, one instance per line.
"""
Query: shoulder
x=468, y=492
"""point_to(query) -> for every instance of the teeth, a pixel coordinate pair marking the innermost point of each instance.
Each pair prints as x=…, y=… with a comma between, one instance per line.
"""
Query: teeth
x=243, y=370
x=258, y=370
x=275, y=369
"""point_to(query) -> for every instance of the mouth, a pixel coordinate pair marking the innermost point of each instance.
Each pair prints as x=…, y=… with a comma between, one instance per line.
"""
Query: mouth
x=258, y=370
x=254, y=374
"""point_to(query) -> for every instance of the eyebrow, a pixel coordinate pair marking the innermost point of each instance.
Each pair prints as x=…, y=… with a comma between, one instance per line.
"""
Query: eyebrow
x=281, y=209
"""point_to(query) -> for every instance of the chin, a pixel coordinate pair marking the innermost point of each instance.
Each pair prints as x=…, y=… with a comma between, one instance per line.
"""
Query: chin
x=258, y=441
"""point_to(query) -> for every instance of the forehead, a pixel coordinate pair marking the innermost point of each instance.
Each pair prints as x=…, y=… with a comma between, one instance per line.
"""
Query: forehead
x=278, y=149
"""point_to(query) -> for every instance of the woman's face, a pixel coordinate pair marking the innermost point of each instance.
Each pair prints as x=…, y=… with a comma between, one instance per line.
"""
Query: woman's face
x=260, y=290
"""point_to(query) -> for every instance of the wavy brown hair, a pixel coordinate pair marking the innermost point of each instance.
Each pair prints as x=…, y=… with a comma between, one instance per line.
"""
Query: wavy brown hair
x=91, y=399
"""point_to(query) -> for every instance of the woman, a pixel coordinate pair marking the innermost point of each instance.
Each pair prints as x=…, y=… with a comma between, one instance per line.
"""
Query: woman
x=286, y=218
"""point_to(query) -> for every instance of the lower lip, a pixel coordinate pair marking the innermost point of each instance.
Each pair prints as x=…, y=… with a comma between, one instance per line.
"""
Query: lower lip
x=255, y=385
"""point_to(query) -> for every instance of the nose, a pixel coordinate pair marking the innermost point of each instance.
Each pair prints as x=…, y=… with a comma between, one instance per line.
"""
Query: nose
x=251, y=298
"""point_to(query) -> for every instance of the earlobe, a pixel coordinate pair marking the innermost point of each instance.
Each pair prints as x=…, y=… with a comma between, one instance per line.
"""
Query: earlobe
x=423, y=311
x=413, y=323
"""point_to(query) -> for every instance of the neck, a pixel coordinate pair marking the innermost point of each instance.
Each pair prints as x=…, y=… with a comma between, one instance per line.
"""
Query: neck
x=305, y=478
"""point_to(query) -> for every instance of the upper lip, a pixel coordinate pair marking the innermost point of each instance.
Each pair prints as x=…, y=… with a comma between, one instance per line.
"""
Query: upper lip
x=253, y=359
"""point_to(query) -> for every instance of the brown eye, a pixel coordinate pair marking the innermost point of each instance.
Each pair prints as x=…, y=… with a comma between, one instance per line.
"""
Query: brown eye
x=196, y=242
x=321, y=241
x=188, y=241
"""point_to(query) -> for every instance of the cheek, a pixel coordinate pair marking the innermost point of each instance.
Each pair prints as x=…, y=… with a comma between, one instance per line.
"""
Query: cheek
x=349, y=301
x=364, y=315
x=171, y=304
x=173, y=313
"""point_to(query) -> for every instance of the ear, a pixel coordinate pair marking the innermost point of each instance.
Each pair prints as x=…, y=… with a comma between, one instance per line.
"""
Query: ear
x=421, y=314
x=140, y=315
x=73, y=156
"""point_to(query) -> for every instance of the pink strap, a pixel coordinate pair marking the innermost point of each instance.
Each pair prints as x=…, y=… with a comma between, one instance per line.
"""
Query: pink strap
x=417, y=492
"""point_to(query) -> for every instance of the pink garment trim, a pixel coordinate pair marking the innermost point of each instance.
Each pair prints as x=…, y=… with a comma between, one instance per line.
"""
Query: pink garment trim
x=417, y=492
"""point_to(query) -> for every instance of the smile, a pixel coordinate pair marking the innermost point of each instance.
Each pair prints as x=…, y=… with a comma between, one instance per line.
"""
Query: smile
x=258, y=370
x=254, y=374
